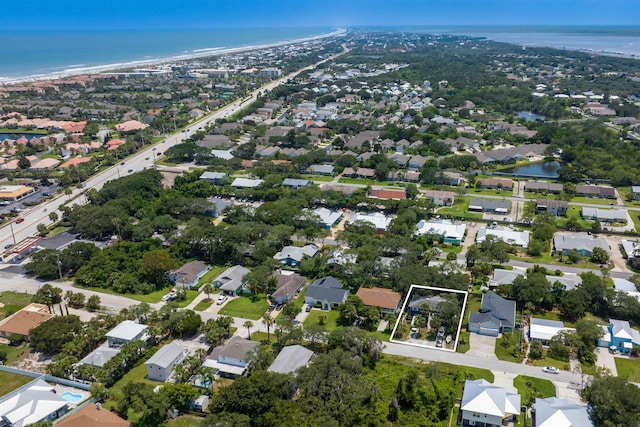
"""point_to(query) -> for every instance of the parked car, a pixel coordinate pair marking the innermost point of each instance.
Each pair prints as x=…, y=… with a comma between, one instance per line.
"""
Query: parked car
x=551, y=370
x=271, y=307
x=308, y=308
x=19, y=220
x=441, y=332
x=439, y=342
x=221, y=299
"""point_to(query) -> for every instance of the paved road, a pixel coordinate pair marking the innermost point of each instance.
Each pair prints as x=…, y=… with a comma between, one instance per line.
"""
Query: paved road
x=435, y=355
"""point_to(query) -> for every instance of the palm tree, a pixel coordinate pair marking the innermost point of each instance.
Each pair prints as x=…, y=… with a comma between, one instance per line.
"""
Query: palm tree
x=208, y=289
x=248, y=324
x=267, y=321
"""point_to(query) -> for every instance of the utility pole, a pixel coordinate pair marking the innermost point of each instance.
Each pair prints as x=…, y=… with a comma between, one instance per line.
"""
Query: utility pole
x=59, y=266
x=12, y=233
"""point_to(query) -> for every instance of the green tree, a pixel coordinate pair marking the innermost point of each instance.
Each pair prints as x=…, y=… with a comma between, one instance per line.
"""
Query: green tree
x=248, y=324
x=613, y=401
x=208, y=290
x=599, y=256
x=93, y=303
x=49, y=337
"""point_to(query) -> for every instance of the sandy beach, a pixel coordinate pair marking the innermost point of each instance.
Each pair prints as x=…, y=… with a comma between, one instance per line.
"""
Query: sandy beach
x=198, y=53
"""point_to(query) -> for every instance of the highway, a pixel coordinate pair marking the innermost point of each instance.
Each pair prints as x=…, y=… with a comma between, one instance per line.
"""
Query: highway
x=13, y=232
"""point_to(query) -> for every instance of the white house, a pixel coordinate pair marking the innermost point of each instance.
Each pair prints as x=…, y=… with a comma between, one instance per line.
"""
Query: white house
x=554, y=412
x=31, y=403
x=246, y=183
x=518, y=238
x=328, y=218
x=544, y=330
x=231, y=280
x=125, y=332
x=160, y=365
x=487, y=405
x=379, y=221
x=231, y=359
x=451, y=232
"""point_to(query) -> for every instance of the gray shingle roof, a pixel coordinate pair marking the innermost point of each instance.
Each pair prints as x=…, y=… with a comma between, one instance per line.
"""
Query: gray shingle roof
x=166, y=355
x=290, y=359
x=327, y=289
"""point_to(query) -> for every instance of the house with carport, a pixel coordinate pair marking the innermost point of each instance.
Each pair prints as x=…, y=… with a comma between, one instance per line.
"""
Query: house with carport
x=543, y=330
x=231, y=359
x=231, y=281
x=487, y=405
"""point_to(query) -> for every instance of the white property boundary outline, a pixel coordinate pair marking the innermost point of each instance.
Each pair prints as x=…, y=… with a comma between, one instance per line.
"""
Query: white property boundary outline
x=404, y=306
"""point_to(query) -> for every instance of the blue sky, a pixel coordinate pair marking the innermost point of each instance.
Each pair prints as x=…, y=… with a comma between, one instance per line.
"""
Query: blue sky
x=96, y=14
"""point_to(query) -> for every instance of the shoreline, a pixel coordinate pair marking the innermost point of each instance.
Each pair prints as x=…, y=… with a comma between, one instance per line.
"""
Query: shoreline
x=196, y=53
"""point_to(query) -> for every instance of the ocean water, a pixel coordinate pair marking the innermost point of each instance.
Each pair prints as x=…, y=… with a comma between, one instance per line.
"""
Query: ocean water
x=38, y=53
x=606, y=40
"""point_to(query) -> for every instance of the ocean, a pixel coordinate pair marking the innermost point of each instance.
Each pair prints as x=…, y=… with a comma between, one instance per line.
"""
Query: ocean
x=604, y=40
x=34, y=54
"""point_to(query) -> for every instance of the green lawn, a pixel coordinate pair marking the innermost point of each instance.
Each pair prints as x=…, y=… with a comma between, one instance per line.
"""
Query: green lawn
x=550, y=361
x=628, y=368
x=574, y=211
x=137, y=375
x=490, y=192
x=506, y=353
x=210, y=275
x=10, y=382
x=245, y=308
x=530, y=388
x=262, y=336
x=539, y=196
x=13, y=352
x=320, y=178
x=13, y=301
x=330, y=322
x=593, y=200
x=203, y=305
x=184, y=421
x=463, y=342
x=298, y=302
x=460, y=209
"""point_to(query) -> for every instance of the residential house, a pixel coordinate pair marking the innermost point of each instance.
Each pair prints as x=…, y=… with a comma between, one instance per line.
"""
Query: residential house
x=449, y=178
x=543, y=330
x=505, y=277
x=582, y=243
x=296, y=184
x=223, y=154
x=596, y=191
x=619, y=335
x=328, y=218
x=231, y=360
x=188, y=275
x=231, y=281
x=126, y=331
x=605, y=215
x=555, y=207
x=542, y=187
x=487, y=405
x=386, y=300
x=496, y=315
x=93, y=415
x=451, y=232
x=246, y=183
x=418, y=305
x=290, y=359
x=495, y=183
x=635, y=192
x=30, y=404
x=506, y=234
x=25, y=319
x=327, y=291
x=379, y=221
x=440, y=198
x=291, y=256
x=161, y=364
x=215, y=178
x=488, y=205
x=321, y=169
x=214, y=142
x=101, y=355
x=288, y=285
x=554, y=412
x=388, y=194
x=631, y=248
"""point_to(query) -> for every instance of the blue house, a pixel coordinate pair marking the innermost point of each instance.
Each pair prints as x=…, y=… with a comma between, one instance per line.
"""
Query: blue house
x=619, y=335
x=496, y=315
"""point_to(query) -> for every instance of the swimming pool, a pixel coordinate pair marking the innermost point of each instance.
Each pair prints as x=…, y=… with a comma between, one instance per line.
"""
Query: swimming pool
x=71, y=397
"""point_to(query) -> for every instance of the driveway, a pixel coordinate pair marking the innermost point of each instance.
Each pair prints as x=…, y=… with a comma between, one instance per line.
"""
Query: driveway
x=607, y=360
x=482, y=346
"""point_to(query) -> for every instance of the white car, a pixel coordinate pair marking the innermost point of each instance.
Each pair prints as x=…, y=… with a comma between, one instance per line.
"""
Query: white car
x=551, y=370
x=221, y=299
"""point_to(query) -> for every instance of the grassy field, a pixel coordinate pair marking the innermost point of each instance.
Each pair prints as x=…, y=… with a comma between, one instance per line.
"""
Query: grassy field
x=137, y=375
x=593, y=200
x=490, y=192
x=10, y=382
x=628, y=368
x=245, y=308
x=184, y=421
x=330, y=323
x=506, y=353
x=460, y=209
x=13, y=301
x=463, y=342
x=204, y=304
x=321, y=178
x=530, y=388
x=262, y=336
x=14, y=353
x=574, y=211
